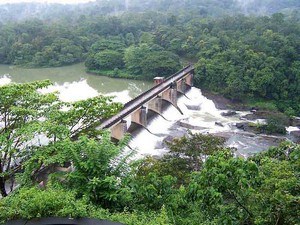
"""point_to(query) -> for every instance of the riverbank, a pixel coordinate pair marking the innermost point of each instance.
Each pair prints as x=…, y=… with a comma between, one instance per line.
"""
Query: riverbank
x=117, y=73
x=224, y=103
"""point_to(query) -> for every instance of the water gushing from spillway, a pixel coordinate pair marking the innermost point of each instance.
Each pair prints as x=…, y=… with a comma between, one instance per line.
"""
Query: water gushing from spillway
x=200, y=115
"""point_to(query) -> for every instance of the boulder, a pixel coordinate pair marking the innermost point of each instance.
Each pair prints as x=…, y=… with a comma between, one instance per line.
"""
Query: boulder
x=219, y=124
x=295, y=136
x=259, y=115
x=250, y=116
x=187, y=125
x=193, y=107
x=242, y=125
x=229, y=113
x=295, y=122
x=254, y=109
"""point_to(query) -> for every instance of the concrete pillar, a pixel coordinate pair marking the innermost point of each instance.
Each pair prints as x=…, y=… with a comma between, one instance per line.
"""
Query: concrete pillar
x=119, y=130
x=170, y=95
x=140, y=116
x=189, y=80
x=181, y=86
x=155, y=105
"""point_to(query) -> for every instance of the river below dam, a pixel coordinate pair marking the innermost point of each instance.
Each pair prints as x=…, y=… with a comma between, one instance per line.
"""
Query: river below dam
x=200, y=114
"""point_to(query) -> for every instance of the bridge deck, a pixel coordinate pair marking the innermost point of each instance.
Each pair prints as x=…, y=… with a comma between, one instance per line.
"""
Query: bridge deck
x=140, y=100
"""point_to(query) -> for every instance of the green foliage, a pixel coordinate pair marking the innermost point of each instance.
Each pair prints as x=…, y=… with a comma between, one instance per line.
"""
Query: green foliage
x=107, y=59
x=263, y=105
x=136, y=217
x=149, y=61
x=194, y=149
x=101, y=166
x=21, y=108
x=187, y=154
x=198, y=181
x=28, y=203
x=275, y=124
x=61, y=52
x=106, y=54
x=27, y=116
x=251, y=58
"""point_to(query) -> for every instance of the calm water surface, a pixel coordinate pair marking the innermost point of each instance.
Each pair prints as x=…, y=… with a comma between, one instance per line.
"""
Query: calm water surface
x=74, y=78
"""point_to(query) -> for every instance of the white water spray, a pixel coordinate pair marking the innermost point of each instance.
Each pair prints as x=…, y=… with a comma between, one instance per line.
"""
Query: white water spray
x=5, y=79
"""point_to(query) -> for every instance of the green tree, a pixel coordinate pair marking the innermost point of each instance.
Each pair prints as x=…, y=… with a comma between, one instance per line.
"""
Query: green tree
x=22, y=107
x=29, y=116
x=106, y=59
x=150, y=61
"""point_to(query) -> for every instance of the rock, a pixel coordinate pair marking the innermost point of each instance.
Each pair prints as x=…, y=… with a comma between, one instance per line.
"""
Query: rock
x=260, y=115
x=250, y=116
x=219, y=124
x=193, y=107
x=229, y=113
x=253, y=109
x=295, y=122
x=242, y=125
x=225, y=135
x=187, y=125
x=246, y=126
x=295, y=136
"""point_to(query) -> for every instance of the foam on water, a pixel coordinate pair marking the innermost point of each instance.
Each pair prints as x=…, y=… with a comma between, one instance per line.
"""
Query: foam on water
x=4, y=80
x=122, y=96
x=80, y=90
x=202, y=116
x=72, y=92
x=290, y=129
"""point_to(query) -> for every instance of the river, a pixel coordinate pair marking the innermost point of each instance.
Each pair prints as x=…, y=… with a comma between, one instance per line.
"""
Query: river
x=74, y=84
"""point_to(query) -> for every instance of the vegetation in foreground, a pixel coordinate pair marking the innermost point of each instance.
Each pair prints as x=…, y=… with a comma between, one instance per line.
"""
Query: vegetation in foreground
x=198, y=182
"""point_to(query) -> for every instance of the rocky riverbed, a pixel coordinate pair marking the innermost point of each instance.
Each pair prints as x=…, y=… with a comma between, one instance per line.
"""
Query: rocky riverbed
x=217, y=116
x=247, y=123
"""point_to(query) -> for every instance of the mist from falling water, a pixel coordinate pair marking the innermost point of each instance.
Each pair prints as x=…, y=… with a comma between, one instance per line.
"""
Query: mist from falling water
x=201, y=114
x=197, y=111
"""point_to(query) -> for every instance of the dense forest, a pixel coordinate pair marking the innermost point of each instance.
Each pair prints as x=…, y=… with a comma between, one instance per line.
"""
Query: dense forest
x=241, y=57
x=244, y=50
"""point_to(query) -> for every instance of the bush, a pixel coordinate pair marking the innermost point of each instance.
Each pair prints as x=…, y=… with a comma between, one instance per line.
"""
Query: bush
x=275, y=124
x=28, y=203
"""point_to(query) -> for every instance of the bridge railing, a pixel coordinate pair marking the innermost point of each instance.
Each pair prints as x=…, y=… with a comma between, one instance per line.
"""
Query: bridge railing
x=151, y=89
x=130, y=106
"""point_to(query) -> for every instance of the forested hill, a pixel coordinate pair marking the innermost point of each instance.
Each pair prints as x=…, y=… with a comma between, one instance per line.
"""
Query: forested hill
x=239, y=56
x=198, y=8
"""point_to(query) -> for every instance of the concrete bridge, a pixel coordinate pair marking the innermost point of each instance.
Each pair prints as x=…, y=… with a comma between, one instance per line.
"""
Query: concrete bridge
x=150, y=101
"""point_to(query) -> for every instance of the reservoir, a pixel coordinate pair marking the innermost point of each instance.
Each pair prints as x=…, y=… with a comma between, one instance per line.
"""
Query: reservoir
x=74, y=83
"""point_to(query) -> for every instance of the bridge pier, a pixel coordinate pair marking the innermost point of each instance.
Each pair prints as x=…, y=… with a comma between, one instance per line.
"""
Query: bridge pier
x=119, y=130
x=189, y=79
x=155, y=105
x=170, y=95
x=140, y=116
x=180, y=86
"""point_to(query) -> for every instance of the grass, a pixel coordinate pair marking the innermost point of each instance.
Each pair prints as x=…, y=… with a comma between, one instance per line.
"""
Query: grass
x=262, y=104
